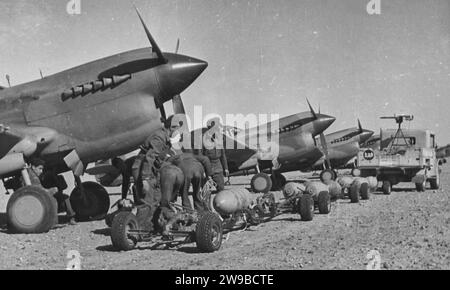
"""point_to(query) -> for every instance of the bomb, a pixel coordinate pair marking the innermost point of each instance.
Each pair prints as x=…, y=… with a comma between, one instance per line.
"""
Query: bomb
x=292, y=189
x=232, y=200
x=335, y=190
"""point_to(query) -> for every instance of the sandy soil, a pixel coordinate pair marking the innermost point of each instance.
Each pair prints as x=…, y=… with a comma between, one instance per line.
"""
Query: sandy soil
x=410, y=230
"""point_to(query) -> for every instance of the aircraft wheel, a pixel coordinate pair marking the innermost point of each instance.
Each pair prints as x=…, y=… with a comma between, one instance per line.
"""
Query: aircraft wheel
x=354, y=193
x=96, y=204
x=261, y=182
x=356, y=172
x=387, y=187
x=327, y=175
x=31, y=210
x=365, y=192
x=278, y=181
x=306, y=207
x=208, y=233
x=122, y=223
x=324, y=202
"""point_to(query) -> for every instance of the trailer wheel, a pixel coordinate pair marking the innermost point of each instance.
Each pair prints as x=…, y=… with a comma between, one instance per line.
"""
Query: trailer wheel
x=354, y=193
x=365, y=191
x=208, y=233
x=327, y=175
x=387, y=187
x=324, y=202
x=31, y=210
x=261, y=182
x=122, y=223
x=96, y=204
x=306, y=207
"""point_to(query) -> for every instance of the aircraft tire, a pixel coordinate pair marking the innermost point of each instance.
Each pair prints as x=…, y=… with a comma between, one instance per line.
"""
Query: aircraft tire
x=209, y=233
x=121, y=224
x=97, y=202
x=31, y=210
x=327, y=175
x=261, y=182
x=324, y=202
x=306, y=207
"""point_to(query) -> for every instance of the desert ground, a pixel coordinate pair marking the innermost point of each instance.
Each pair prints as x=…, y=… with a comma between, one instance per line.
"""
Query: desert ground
x=410, y=230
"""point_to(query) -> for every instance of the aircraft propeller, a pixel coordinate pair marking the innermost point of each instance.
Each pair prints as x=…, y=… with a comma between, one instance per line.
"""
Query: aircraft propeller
x=323, y=140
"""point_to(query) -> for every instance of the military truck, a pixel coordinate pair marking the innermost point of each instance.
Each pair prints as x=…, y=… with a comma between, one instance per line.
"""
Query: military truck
x=404, y=155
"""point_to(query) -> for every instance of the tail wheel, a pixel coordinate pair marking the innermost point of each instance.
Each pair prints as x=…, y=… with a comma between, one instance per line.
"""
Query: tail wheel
x=121, y=238
x=95, y=205
x=354, y=193
x=327, y=175
x=31, y=209
x=306, y=207
x=387, y=187
x=209, y=233
x=324, y=202
x=365, y=192
x=261, y=182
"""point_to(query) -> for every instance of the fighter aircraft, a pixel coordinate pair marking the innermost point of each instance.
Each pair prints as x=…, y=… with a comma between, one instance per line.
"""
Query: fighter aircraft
x=442, y=153
x=296, y=147
x=341, y=147
x=95, y=111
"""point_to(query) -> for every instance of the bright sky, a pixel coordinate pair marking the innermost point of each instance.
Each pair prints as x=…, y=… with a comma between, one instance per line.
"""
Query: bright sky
x=264, y=56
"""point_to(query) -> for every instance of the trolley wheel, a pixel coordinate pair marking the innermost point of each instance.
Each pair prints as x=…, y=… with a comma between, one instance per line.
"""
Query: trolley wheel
x=306, y=207
x=209, y=233
x=324, y=202
x=122, y=223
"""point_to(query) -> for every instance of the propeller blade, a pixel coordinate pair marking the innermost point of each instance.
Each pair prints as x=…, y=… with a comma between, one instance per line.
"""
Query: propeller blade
x=163, y=112
x=311, y=109
x=178, y=46
x=324, y=144
x=178, y=106
x=360, y=127
x=155, y=46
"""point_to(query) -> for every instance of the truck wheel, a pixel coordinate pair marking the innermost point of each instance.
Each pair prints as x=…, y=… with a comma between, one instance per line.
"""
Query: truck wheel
x=122, y=223
x=306, y=207
x=31, y=210
x=420, y=187
x=387, y=187
x=324, y=202
x=208, y=233
x=96, y=204
x=354, y=193
x=365, y=192
x=261, y=182
x=435, y=183
x=327, y=175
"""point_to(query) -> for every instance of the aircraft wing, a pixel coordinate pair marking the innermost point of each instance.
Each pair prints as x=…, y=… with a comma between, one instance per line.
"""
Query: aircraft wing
x=23, y=139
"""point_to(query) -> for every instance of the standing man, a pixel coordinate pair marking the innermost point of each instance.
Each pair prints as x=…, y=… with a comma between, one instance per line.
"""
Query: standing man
x=216, y=153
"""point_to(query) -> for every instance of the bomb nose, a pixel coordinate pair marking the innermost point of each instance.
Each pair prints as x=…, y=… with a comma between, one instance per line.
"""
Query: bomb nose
x=179, y=73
